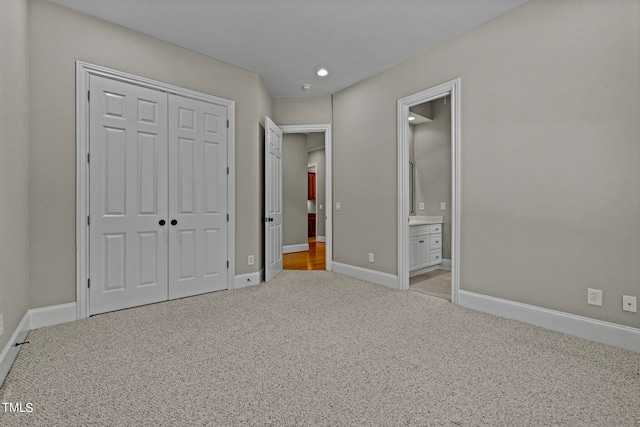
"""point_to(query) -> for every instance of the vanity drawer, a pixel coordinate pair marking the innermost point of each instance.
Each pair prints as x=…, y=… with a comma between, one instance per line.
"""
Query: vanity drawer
x=435, y=228
x=436, y=241
x=416, y=230
x=436, y=256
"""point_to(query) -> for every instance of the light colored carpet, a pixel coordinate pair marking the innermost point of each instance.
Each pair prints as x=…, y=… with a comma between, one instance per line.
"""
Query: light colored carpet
x=436, y=283
x=317, y=348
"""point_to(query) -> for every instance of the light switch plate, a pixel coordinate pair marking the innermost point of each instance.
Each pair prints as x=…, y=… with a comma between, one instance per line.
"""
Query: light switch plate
x=337, y=206
x=443, y=206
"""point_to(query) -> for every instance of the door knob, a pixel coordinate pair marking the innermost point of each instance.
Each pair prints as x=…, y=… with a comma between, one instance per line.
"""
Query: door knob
x=174, y=222
x=270, y=219
x=162, y=222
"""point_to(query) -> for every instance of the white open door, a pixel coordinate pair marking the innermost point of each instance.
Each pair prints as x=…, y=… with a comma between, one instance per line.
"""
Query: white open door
x=272, y=199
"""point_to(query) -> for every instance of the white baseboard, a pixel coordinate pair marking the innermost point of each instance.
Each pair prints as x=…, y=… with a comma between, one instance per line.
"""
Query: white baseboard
x=53, y=315
x=446, y=264
x=385, y=279
x=321, y=238
x=248, y=279
x=295, y=248
x=579, y=326
x=10, y=351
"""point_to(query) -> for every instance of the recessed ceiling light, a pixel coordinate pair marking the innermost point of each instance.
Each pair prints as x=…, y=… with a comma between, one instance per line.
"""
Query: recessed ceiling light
x=306, y=86
x=411, y=118
x=322, y=72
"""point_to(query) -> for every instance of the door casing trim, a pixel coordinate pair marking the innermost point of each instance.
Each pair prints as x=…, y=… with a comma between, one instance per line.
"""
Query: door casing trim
x=451, y=89
x=84, y=71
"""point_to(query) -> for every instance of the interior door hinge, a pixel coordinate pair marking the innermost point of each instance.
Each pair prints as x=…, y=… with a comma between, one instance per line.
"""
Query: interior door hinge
x=88, y=96
x=227, y=122
x=227, y=264
x=88, y=158
x=88, y=219
x=227, y=217
x=227, y=170
x=89, y=283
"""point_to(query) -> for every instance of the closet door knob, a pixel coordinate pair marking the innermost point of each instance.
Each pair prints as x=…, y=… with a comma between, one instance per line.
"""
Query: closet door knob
x=174, y=222
x=162, y=222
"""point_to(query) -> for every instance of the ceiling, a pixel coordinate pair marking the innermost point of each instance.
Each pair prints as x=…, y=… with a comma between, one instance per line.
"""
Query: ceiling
x=287, y=41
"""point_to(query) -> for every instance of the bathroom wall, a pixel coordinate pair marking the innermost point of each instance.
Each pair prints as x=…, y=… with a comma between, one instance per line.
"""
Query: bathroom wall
x=432, y=157
x=294, y=200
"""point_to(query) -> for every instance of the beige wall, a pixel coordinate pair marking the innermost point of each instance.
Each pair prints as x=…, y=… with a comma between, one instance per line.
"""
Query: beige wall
x=432, y=157
x=294, y=200
x=14, y=164
x=302, y=111
x=59, y=36
x=550, y=155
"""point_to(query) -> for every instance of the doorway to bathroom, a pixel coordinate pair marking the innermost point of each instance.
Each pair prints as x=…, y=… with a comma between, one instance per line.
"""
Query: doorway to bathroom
x=429, y=191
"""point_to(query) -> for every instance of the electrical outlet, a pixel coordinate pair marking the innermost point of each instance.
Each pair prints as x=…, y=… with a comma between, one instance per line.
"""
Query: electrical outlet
x=337, y=206
x=443, y=206
x=594, y=297
x=370, y=257
x=629, y=304
x=321, y=207
x=1, y=324
x=251, y=260
x=421, y=206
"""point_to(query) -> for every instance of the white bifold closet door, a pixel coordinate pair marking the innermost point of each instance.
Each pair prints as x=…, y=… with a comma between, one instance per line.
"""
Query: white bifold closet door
x=157, y=196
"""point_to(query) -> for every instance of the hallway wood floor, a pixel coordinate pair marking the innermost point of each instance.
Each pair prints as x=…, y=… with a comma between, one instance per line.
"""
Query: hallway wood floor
x=313, y=259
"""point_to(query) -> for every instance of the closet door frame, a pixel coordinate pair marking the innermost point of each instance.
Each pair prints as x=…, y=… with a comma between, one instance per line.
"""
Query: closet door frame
x=84, y=71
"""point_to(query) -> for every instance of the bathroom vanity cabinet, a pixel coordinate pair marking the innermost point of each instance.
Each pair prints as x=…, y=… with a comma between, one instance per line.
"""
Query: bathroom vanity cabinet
x=425, y=246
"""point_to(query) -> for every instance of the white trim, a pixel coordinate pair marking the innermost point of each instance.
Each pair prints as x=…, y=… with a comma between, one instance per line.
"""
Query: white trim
x=579, y=326
x=84, y=71
x=451, y=88
x=52, y=315
x=328, y=222
x=248, y=279
x=446, y=264
x=295, y=248
x=365, y=274
x=10, y=351
x=321, y=239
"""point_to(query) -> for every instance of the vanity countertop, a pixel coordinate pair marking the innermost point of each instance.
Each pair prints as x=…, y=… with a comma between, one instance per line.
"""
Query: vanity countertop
x=422, y=220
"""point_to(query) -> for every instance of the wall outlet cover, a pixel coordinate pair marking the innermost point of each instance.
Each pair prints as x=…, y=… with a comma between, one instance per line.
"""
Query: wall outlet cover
x=443, y=206
x=421, y=206
x=251, y=260
x=370, y=257
x=594, y=297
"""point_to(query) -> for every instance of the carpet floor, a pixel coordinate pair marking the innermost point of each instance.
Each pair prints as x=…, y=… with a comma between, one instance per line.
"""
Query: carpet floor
x=317, y=348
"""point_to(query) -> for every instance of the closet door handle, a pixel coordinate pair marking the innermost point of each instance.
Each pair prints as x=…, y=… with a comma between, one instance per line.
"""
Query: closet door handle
x=162, y=222
x=174, y=222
